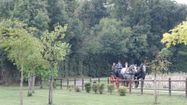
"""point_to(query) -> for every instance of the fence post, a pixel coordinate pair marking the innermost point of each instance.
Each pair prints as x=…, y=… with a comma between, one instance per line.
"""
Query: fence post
x=61, y=83
x=98, y=80
x=130, y=86
x=74, y=82
x=142, y=83
x=82, y=83
x=186, y=88
x=67, y=83
x=169, y=86
x=41, y=84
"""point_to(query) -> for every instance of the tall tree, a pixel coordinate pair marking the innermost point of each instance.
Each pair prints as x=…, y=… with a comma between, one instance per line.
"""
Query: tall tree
x=57, y=13
x=20, y=46
x=54, y=50
x=32, y=12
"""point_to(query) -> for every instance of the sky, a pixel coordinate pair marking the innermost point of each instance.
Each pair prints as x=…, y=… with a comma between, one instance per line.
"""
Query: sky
x=182, y=1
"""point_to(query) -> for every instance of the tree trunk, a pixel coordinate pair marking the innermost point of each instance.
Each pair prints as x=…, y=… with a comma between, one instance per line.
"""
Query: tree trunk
x=50, y=98
x=29, y=85
x=21, y=87
x=41, y=84
x=33, y=82
x=155, y=90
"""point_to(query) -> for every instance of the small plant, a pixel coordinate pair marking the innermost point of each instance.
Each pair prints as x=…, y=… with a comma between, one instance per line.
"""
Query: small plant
x=101, y=88
x=29, y=94
x=95, y=87
x=77, y=89
x=110, y=88
x=70, y=88
x=88, y=87
x=122, y=91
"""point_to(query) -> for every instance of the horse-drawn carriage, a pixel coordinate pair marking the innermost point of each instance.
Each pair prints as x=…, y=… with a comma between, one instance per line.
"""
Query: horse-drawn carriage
x=125, y=75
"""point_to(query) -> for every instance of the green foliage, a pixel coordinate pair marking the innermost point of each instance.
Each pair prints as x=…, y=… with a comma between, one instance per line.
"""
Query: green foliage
x=91, y=12
x=176, y=36
x=54, y=49
x=111, y=38
x=70, y=88
x=101, y=31
x=160, y=63
x=29, y=94
x=21, y=47
x=101, y=88
x=56, y=13
x=110, y=88
x=122, y=91
x=88, y=87
x=77, y=89
x=32, y=12
x=95, y=87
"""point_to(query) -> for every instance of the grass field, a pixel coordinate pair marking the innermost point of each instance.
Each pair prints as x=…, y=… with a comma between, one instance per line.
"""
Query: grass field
x=9, y=96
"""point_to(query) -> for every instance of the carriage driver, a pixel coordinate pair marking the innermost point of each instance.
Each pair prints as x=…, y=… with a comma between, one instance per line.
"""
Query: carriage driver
x=118, y=68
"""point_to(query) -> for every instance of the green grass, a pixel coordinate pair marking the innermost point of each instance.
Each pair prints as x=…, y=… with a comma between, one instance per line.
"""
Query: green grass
x=10, y=96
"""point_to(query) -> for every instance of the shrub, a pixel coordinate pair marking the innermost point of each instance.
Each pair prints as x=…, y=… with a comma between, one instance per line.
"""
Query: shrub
x=110, y=88
x=101, y=88
x=70, y=87
x=29, y=94
x=95, y=87
x=122, y=91
x=88, y=87
x=77, y=89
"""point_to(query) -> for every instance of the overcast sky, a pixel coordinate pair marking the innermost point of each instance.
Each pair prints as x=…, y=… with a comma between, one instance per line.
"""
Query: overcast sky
x=182, y=1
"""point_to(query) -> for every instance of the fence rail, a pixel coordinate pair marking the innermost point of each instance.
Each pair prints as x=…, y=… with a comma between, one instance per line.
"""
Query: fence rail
x=81, y=81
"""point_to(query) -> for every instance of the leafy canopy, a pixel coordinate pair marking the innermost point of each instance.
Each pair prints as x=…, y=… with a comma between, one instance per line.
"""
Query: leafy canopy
x=54, y=48
x=21, y=46
x=177, y=35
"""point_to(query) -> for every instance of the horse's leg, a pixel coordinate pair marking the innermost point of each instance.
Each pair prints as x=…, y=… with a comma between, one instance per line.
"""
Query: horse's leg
x=136, y=82
x=127, y=83
x=117, y=83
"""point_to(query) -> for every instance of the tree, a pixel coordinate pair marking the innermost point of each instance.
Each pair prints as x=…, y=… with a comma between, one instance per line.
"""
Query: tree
x=158, y=64
x=176, y=35
x=54, y=50
x=32, y=12
x=6, y=8
x=91, y=12
x=56, y=13
x=35, y=61
x=20, y=46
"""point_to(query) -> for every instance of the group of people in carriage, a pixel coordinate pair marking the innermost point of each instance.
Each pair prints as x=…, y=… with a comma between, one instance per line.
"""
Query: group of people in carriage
x=125, y=74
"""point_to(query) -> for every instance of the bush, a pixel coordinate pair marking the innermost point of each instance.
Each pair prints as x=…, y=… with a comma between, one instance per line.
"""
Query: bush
x=70, y=87
x=77, y=89
x=88, y=87
x=29, y=94
x=101, y=88
x=122, y=91
x=110, y=88
x=95, y=87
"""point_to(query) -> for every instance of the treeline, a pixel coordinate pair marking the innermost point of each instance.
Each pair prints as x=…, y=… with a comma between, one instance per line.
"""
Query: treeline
x=100, y=32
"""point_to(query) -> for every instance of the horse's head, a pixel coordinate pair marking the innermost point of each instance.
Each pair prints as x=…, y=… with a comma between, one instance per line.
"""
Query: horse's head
x=143, y=68
x=132, y=68
x=141, y=73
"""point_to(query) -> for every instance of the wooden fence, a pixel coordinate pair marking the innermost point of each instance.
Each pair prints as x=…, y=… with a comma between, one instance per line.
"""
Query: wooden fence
x=79, y=82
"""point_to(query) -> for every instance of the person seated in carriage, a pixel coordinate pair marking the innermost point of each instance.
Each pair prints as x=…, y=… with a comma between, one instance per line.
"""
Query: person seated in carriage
x=118, y=69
